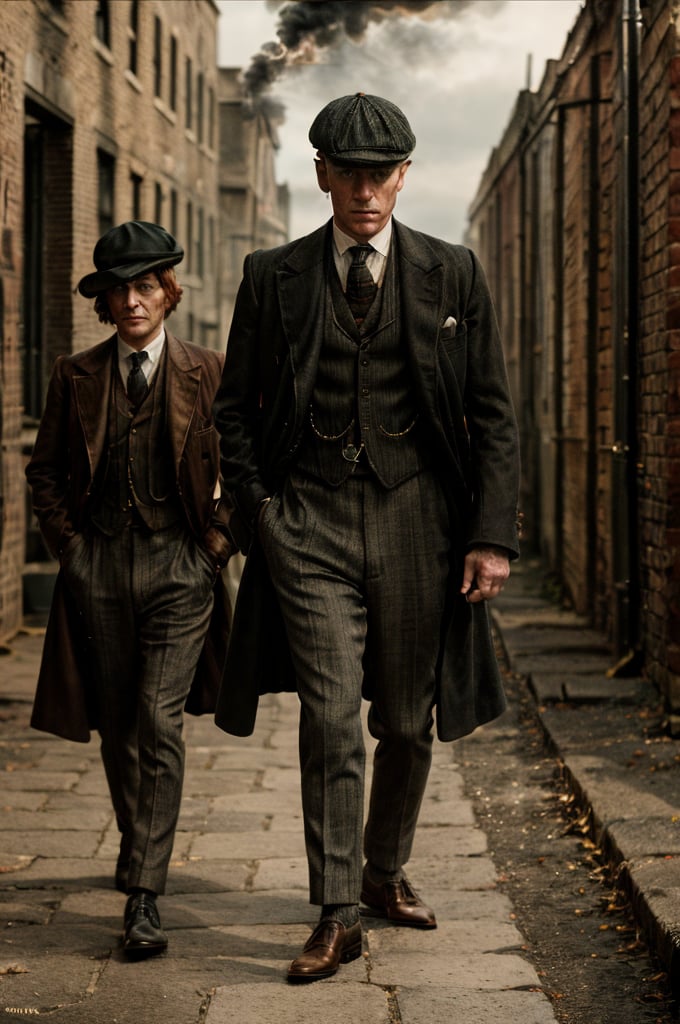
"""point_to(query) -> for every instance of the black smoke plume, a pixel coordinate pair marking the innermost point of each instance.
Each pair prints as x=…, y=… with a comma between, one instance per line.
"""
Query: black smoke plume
x=308, y=26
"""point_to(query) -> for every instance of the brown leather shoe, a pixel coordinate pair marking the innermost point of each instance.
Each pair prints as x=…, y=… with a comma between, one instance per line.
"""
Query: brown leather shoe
x=329, y=945
x=398, y=902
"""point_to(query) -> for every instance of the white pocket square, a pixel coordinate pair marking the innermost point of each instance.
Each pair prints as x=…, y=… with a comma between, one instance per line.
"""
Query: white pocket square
x=450, y=322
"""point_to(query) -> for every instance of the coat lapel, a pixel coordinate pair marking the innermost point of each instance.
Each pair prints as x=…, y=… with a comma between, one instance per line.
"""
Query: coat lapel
x=422, y=311
x=421, y=280
x=301, y=286
x=183, y=381
x=91, y=382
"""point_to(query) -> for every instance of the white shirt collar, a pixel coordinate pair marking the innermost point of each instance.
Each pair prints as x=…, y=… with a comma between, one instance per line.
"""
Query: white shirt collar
x=154, y=349
x=380, y=242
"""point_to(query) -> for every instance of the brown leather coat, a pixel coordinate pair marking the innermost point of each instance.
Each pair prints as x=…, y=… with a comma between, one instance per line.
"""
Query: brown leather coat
x=62, y=472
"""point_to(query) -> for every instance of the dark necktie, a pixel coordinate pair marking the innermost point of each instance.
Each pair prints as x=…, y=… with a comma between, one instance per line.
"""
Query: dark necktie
x=136, y=386
x=361, y=287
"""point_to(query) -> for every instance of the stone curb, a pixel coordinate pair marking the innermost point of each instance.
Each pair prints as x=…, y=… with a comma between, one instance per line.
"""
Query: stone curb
x=592, y=720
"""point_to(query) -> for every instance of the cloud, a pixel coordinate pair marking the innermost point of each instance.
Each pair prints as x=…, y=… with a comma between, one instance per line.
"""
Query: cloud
x=454, y=68
x=307, y=29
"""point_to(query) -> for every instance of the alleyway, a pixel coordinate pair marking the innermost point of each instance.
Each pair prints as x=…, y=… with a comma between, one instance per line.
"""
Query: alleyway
x=236, y=909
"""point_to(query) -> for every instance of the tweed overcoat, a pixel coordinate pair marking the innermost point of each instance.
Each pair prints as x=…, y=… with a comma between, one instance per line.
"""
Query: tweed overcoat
x=460, y=385
x=62, y=473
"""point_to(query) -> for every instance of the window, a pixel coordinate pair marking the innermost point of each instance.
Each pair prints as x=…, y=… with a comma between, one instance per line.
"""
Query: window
x=102, y=22
x=210, y=253
x=188, y=248
x=211, y=117
x=173, y=213
x=188, y=98
x=199, y=106
x=200, y=241
x=133, y=31
x=136, y=186
x=106, y=173
x=173, y=73
x=158, y=204
x=32, y=339
x=157, y=56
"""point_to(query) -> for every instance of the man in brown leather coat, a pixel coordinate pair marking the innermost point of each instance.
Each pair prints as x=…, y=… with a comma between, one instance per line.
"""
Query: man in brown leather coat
x=124, y=476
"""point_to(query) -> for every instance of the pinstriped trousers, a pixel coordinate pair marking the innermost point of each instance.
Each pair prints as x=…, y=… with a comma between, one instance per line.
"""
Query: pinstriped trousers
x=360, y=573
x=146, y=599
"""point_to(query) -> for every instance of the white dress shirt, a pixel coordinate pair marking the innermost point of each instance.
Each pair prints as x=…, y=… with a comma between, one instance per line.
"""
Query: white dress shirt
x=154, y=351
x=375, y=261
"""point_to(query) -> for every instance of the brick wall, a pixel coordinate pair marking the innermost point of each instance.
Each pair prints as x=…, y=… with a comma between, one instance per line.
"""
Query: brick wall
x=576, y=334
x=602, y=440
x=11, y=171
x=547, y=190
x=660, y=347
x=79, y=95
x=600, y=385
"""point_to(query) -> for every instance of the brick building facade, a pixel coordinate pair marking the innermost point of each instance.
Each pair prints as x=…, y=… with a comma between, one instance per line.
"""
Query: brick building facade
x=576, y=219
x=109, y=111
x=254, y=209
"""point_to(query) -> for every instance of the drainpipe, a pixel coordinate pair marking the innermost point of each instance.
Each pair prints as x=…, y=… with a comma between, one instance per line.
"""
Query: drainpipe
x=625, y=544
x=558, y=344
x=526, y=370
x=593, y=102
x=592, y=301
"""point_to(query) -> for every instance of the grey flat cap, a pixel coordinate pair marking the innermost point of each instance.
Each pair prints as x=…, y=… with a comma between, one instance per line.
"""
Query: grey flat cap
x=362, y=129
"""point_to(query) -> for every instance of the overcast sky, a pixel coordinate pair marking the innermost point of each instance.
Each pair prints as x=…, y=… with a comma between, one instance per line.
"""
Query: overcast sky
x=455, y=70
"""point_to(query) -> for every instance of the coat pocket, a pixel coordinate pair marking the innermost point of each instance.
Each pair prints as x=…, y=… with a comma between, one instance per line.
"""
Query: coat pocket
x=453, y=337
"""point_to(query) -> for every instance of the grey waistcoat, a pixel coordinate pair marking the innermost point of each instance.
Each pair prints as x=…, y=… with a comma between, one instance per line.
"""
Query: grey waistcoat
x=362, y=400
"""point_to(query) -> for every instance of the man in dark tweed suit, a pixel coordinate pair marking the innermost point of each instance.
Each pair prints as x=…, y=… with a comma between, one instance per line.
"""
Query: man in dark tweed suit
x=369, y=448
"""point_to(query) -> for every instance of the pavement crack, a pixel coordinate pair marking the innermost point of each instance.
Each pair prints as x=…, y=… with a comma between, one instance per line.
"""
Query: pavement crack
x=368, y=964
x=252, y=868
x=96, y=975
x=268, y=743
x=205, y=1005
x=393, y=1011
x=101, y=840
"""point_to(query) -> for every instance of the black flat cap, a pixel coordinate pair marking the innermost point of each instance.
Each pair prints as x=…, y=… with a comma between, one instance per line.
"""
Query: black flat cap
x=362, y=129
x=128, y=251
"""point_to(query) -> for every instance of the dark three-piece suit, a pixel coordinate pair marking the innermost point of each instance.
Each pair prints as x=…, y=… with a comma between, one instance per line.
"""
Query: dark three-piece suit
x=351, y=583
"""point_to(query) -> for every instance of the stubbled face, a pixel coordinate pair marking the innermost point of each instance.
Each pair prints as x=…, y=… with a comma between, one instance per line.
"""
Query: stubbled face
x=138, y=309
x=363, y=197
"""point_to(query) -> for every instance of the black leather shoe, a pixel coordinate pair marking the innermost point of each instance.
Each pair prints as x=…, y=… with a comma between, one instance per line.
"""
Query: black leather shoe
x=143, y=935
x=329, y=945
x=398, y=902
